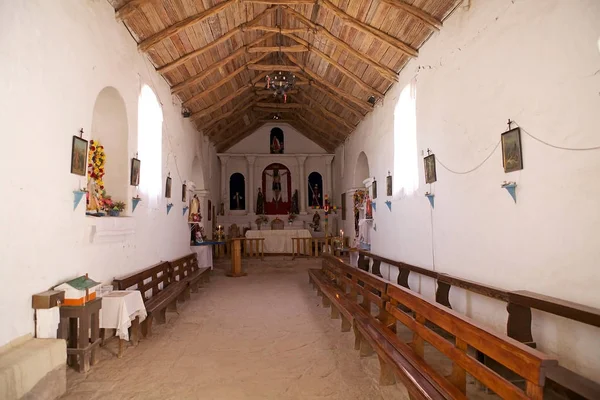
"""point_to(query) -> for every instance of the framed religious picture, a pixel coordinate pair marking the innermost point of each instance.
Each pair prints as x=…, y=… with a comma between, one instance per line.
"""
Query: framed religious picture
x=209, y=210
x=79, y=156
x=168, y=188
x=343, y=203
x=512, y=156
x=184, y=193
x=134, y=179
x=374, y=189
x=430, y=174
x=388, y=181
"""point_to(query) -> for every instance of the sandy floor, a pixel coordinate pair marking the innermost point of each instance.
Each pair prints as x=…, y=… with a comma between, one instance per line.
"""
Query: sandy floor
x=264, y=336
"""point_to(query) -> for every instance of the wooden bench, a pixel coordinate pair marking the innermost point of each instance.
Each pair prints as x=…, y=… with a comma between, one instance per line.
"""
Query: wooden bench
x=185, y=269
x=158, y=290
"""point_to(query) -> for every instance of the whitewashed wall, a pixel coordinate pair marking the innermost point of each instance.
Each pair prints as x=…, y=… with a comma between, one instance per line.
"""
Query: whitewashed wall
x=57, y=57
x=538, y=65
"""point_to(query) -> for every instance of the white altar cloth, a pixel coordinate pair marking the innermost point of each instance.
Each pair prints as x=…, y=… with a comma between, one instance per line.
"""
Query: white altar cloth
x=205, y=255
x=279, y=241
x=119, y=308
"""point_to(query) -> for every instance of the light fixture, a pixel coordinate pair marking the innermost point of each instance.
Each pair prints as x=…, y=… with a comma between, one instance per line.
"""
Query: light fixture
x=280, y=82
x=185, y=113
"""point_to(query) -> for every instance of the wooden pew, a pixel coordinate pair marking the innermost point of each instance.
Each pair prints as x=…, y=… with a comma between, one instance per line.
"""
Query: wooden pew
x=186, y=269
x=158, y=290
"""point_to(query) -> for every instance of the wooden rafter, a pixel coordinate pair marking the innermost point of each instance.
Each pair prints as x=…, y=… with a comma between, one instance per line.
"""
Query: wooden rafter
x=336, y=131
x=128, y=9
x=365, y=86
x=196, y=53
x=240, y=107
x=318, y=128
x=158, y=37
x=361, y=26
x=275, y=49
x=220, y=103
x=301, y=124
x=383, y=70
x=198, y=77
x=338, y=99
x=233, y=122
x=324, y=114
x=349, y=96
x=276, y=29
x=280, y=2
x=274, y=67
x=416, y=12
x=313, y=136
x=266, y=92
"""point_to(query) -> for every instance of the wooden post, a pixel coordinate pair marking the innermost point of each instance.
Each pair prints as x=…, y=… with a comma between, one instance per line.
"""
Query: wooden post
x=236, y=259
x=458, y=377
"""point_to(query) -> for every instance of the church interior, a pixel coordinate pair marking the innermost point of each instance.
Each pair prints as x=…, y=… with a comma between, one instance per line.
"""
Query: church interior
x=300, y=199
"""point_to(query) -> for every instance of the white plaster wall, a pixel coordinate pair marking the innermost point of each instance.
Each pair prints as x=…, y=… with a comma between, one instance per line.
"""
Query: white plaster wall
x=497, y=60
x=57, y=56
x=259, y=141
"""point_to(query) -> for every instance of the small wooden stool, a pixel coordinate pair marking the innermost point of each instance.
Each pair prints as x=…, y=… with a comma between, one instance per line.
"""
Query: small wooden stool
x=80, y=326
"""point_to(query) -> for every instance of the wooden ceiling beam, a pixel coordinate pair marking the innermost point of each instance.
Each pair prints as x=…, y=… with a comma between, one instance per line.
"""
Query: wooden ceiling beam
x=198, y=77
x=240, y=107
x=325, y=135
x=231, y=123
x=279, y=2
x=220, y=103
x=338, y=99
x=416, y=12
x=196, y=53
x=383, y=70
x=276, y=29
x=158, y=37
x=349, y=96
x=259, y=85
x=361, y=26
x=339, y=136
x=337, y=130
x=275, y=49
x=274, y=67
x=365, y=86
x=267, y=92
x=128, y=9
x=325, y=112
x=280, y=106
x=217, y=85
x=224, y=145
x=313, y=136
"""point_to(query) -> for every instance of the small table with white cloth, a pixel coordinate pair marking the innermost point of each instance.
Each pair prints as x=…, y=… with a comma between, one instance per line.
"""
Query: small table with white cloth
x=278, y=241
x=122, y=309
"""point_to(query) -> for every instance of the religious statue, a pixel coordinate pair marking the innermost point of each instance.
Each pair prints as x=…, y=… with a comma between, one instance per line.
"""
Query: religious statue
x=316, y=196
x=195, y=209
x=368, y=207
x=238, y=199
x=276, y=185
x=275, y=145
x=260, y=202
x=295, y=208
x=94, y=199
x=316, y=224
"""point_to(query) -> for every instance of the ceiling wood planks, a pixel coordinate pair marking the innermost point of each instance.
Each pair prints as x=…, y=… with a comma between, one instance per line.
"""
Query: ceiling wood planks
x=215, y=54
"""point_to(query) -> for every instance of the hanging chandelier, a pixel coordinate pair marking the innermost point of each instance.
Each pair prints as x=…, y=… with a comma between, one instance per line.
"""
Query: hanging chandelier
x=280, y=82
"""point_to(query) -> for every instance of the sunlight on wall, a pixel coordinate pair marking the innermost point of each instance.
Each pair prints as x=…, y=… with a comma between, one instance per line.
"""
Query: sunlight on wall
x=150, y=120
x=406, y=169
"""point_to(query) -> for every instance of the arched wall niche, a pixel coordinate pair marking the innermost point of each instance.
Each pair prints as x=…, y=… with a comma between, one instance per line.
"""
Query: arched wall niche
x=197, y=173
x=361, y=170
x=237, y=192
x=110, y=128
x=315, y=190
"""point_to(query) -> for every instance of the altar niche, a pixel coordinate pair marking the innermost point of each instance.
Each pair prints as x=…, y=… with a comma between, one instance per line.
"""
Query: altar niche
x=276, y=141
x=277, y=187
x=237, y=192
x=315, y=190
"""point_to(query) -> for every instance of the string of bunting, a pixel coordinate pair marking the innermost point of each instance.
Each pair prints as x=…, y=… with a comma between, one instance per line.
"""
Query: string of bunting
x=439, y=161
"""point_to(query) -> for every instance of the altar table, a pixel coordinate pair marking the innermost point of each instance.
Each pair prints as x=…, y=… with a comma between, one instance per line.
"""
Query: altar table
x=278, y=241
x=120, y=310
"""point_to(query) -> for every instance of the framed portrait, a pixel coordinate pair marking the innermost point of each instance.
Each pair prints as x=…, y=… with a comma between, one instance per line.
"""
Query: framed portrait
x=374, y=189
x=343, y=203
x=79, y=156
x=430, y=174
x=134, y=179
x=168, y=188
x=209, y=210
x=512, y=156
x=388, y=181
x=184, y=193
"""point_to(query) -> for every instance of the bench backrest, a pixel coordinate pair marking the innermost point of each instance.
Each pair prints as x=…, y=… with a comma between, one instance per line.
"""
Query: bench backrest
x=183, y=267
x=149, y=281
x=517, y=357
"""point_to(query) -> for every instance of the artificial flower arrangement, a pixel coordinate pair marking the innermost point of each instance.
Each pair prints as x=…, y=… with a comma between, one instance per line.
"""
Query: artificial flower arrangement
x=96, y=193
x=291, y=217
x=262, y=219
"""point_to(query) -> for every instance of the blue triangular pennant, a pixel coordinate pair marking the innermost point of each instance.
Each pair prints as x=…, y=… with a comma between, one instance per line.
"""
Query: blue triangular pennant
x=78, y=196
x=431, y=198
x=134, y=203
x=389, y=205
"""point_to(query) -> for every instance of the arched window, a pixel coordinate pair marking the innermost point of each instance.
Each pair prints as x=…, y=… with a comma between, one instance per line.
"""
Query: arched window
x=315, y=190
x=150, y=119
x=276, y=141
x=237, y=192
x=406, y=169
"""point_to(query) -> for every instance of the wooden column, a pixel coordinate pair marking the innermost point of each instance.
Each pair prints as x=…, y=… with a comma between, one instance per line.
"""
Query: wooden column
x=236, y=259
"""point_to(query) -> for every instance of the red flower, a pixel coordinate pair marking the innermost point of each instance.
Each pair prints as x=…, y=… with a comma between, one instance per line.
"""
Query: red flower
x=102, y=187
x=93, y=148
x=90, y=165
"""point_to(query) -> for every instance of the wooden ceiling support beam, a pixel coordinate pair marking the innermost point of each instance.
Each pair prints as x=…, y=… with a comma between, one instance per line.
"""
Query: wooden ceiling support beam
x=349, y=96
x=361, y=26
x=219, y=84
x=274, y=67
x=198, y=77
x=339, y=100
x=243, y=105
x=261, y=85
x=337, y=131
x=231, y=123
x=275, y=49
x=128, y=9
x=158, y=37
x=280, y=106
x=351, y=75
x=324, y=112
x=416, y=12
x=266, y=92
x=383, y=70
x=313, y=136
x=276, y=29
x=220, y=103
x=279, y=2
x=339, y=136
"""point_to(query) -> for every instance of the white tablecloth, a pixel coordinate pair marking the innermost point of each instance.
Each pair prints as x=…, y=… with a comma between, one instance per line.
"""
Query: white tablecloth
x=119, y=308
x=205, y=255
x=279, y=241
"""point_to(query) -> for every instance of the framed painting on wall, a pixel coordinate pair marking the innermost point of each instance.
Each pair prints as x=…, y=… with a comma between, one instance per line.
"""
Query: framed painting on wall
x=168, y=188
x=374, y=189
x=512, y=156
x=388, y=181
x=430, y=173
x=79, y=156
x=134, y=178
x=184, y=193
